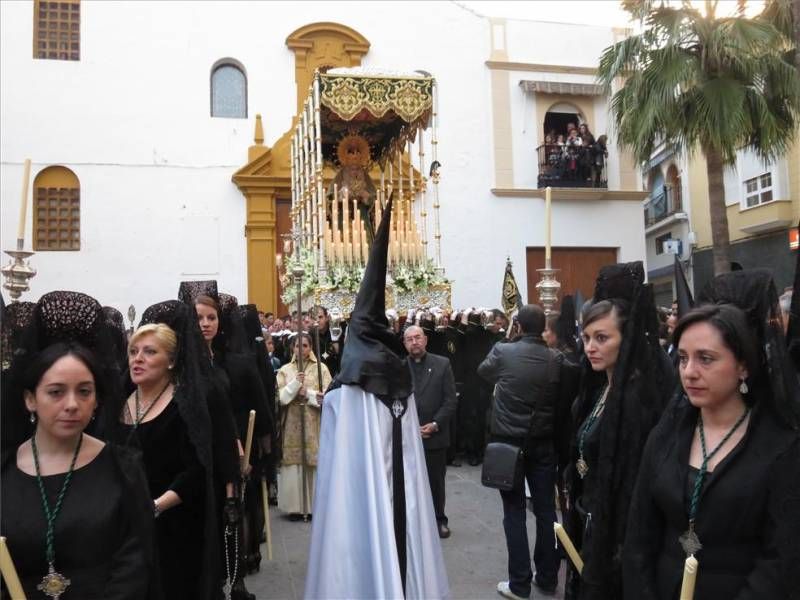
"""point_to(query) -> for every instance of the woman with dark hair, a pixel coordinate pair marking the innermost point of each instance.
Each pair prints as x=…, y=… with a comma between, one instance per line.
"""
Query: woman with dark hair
x=720, y=475
x=625, y=384
x=241, y=389
x=76, y=511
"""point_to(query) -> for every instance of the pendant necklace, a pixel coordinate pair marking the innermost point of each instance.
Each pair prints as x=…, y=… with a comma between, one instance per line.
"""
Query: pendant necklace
x=54, y=583
x=581, y=465
x=688, y=539
x=141, y=414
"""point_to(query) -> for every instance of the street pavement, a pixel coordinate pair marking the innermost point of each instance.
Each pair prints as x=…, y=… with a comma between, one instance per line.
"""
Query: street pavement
x=475, y=553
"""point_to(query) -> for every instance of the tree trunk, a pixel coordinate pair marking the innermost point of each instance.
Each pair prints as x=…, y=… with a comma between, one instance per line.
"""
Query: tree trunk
x=720, y=237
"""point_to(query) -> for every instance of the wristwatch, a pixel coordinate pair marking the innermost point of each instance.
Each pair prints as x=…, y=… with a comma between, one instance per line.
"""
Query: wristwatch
x=435, y=424
x=156, y=509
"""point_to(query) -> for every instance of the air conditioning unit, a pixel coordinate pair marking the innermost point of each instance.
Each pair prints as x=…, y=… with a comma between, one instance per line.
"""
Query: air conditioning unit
x=672, y=247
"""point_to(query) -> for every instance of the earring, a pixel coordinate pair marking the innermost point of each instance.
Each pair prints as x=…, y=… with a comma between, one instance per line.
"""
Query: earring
x=743, y=388
x=170, y=367
x=33, y=417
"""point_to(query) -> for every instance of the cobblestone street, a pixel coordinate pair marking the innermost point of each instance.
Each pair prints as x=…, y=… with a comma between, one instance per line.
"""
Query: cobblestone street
x=475, y=553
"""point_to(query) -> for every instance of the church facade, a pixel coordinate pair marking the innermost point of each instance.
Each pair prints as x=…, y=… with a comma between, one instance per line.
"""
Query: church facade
x=159, y=134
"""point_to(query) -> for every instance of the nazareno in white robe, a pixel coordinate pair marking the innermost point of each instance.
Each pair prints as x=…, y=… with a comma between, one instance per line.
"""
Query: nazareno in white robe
x=353, y=552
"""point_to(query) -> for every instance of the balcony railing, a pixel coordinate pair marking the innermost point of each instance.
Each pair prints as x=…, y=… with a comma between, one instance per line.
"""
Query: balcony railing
x=662, y=204
x=572, y=166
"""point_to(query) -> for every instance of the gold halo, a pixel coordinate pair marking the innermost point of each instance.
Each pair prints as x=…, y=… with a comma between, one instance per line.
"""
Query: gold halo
x=356, y=144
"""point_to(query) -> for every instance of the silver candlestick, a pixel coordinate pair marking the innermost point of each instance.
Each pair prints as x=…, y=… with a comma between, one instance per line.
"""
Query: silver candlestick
x=548, y=288
x=18, y=272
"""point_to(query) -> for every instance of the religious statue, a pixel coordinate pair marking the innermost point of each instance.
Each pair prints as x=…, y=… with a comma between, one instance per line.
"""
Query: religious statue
x=353, y=153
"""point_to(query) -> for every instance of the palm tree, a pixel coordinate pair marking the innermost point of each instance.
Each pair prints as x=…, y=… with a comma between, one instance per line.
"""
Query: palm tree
x=699, y=82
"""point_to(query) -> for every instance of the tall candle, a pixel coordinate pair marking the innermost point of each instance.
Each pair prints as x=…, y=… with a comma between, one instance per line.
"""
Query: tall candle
x=547, y=233
x=348, y=248
x=689, y=578
x=23, y=205
x=10, y=575
x=563, y=537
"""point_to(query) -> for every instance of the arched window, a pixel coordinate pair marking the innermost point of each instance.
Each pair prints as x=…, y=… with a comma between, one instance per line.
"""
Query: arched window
x=228, y=90
x=674, y=184
x=56, y=210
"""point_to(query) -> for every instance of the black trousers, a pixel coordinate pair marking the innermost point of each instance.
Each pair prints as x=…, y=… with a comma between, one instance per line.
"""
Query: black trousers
x=436, y=461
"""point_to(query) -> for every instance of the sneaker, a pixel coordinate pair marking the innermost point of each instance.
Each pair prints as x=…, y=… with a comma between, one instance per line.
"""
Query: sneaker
x=505, y=591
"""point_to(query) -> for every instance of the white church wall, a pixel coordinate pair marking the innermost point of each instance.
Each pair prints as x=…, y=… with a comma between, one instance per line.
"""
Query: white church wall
x=131, y=119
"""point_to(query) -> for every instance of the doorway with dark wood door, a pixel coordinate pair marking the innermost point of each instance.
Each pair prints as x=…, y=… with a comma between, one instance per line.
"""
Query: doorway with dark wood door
x=578, y=268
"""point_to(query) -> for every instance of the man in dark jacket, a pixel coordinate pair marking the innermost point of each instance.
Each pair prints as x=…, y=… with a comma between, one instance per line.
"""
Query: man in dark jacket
x=526, y=413
x=435, y=395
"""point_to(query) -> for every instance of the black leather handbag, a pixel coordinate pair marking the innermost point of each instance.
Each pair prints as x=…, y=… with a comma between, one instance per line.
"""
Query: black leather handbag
x=502, y=466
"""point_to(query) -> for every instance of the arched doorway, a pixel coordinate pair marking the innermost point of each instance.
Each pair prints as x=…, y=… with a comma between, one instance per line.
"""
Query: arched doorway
x=559, y=116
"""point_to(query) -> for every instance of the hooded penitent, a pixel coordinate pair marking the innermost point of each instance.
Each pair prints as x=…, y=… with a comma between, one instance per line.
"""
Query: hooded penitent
x=371, y=360
x=366, y=495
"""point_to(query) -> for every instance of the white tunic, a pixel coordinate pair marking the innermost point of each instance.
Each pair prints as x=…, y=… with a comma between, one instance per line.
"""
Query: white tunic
x=353, y=552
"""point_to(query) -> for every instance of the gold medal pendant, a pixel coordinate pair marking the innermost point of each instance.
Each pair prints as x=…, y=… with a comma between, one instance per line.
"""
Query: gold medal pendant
x=582, y=467
x=53, y=584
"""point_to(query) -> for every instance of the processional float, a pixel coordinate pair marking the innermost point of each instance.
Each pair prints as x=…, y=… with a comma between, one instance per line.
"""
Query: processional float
x=360, y=139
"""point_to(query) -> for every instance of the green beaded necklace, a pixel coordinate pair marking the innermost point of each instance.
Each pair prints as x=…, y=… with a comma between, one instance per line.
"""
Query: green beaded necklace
x=53, y=584
x=581, y=465
x=689, y=540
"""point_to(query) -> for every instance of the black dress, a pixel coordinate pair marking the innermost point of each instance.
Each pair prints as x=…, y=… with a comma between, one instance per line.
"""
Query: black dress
x=171, y=463
x=103, y=534
x=748, y=518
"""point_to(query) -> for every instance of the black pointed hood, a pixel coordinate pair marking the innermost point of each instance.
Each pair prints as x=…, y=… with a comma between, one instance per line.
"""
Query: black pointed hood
x=372, y=351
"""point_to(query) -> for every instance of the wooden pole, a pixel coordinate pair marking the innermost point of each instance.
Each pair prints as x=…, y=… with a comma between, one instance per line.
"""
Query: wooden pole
x=267, y=525
x=10, y=572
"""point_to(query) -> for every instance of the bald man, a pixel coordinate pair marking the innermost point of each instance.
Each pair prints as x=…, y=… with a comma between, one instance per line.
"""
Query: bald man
x=435, y=395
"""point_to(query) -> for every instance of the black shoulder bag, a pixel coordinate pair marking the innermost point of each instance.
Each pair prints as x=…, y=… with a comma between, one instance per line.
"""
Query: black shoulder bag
x=503, y=463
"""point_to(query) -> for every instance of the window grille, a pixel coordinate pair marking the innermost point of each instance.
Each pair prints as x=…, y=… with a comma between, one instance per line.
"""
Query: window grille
x=57, y=30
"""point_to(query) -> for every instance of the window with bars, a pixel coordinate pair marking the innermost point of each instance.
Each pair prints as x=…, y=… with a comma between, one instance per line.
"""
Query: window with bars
x=57, y=30
x=56, y=210
x=228, y=90
x=758, y=190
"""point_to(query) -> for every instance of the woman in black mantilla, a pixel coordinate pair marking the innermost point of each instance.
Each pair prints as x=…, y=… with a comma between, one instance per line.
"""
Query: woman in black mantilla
x=76, y=511
x=165, y=415
x=625, y=384
x=240, y=385
x=720, y=475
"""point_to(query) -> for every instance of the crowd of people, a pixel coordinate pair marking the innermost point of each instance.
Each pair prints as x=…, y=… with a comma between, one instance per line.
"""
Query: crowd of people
x=124, y=471
x=575, y=155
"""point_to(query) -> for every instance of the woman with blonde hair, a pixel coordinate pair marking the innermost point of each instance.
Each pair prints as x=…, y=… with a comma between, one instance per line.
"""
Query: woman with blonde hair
x=166, y=416
x=300, y=395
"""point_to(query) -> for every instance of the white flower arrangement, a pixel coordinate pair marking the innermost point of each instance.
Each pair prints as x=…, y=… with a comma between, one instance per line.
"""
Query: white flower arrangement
x=410, y=278
x=347, y=278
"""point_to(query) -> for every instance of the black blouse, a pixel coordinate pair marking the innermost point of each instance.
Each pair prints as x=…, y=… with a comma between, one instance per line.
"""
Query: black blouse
x=97, y=545
x=747, y=517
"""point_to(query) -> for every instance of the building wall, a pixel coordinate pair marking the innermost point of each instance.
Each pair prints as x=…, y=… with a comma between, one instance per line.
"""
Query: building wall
x=132, y=120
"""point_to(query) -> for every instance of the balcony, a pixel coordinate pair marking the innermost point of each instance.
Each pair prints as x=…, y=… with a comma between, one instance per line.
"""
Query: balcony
x=662, y=205
x=568, y=167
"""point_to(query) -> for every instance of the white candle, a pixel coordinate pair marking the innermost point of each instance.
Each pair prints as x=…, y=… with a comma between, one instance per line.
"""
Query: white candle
x=563, y=537
x=547, y=233
x=689, y=578
x=23, y=205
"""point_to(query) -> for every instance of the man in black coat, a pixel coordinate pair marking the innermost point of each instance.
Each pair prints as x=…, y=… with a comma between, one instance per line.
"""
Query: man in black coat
x=435, y=395
x=527, y=410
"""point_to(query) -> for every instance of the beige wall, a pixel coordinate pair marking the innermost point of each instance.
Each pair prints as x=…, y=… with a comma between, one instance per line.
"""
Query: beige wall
x=698, y=196
x=501, y=128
